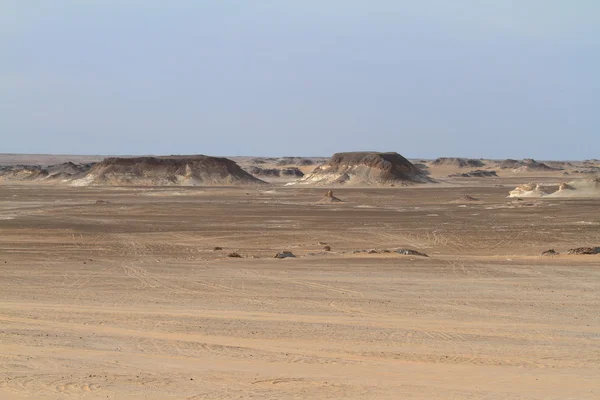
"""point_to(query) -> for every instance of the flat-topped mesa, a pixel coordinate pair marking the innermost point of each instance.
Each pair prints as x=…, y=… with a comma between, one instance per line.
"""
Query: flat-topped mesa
x=365, y=168
x=196, y=170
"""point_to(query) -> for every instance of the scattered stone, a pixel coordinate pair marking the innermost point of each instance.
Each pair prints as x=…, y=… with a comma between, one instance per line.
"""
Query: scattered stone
x=409, y=252
x=584, y=250
x=285, y=254
x=234, y=255
x=102, y=202
x=550, y=252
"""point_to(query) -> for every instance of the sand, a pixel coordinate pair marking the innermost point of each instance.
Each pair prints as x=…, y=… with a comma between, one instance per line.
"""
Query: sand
x=130, y=300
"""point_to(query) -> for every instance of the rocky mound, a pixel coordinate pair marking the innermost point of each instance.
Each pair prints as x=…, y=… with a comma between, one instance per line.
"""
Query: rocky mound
x=478, y=173
x=265, y=172
x=276, y=172
x=166, y=171
x=300, y=161
x=68, y=170
x=22, y=172
x=292, y=171
x=527, y=164
x=63, y=171
x=365, y=168
x=457, y=162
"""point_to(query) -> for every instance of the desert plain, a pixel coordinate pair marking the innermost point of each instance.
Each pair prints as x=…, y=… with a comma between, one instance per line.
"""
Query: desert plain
x=110, y=292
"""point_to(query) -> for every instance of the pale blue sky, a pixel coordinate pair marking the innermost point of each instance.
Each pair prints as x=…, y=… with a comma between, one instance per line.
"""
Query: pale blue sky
x=502, y=78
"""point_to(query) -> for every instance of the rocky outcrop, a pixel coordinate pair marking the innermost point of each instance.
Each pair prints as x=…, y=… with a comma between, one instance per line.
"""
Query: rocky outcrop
x=276, y=172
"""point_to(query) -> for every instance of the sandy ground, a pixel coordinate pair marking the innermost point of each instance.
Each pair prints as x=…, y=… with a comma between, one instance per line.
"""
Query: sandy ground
x=129, y=300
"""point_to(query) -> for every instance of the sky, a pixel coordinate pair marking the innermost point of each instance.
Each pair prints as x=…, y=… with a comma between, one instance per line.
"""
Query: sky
x=424, y=78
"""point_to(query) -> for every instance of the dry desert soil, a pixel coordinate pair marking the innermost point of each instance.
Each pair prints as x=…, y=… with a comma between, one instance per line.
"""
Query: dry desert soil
x=128, y=299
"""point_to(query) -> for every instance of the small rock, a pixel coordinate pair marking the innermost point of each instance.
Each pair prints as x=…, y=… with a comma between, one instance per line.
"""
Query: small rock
x=327, y=248
x=409, y=252
x=584, y=250
x=372, y=251
x=217, y=248
x=234, y=255
x=285, y=254
x=102, y=202
x=550, y=252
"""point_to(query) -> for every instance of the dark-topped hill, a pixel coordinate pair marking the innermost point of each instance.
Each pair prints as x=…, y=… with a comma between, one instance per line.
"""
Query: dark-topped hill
x=366, y=168
x=196, y=170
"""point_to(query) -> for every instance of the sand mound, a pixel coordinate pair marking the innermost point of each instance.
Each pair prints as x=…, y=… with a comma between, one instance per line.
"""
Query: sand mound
x=166, y=171
x=525, y=165
x=527, y=190
x=365, y=168
x=565, y=186
x=582, y=188
x=329, y=198
x=466, y=199
x=457, y=162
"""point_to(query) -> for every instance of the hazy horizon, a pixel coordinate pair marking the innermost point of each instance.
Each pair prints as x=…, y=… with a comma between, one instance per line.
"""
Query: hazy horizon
x=513, y=79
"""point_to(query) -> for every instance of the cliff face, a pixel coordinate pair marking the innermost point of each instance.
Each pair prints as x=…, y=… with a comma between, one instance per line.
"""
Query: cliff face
x=366, y=168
